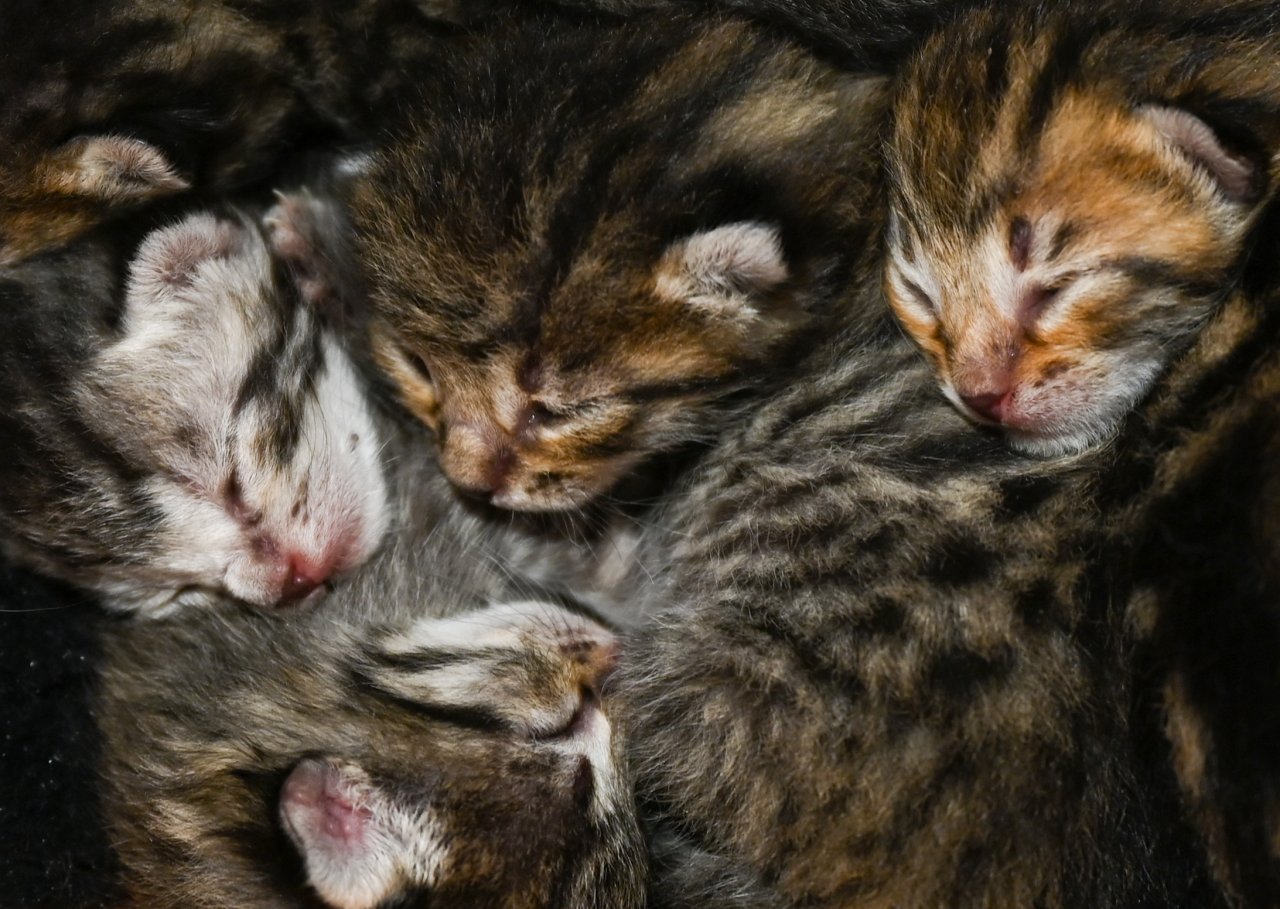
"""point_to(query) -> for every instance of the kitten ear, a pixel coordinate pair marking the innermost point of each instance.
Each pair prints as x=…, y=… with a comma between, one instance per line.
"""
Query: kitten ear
x=301, y=229
x=727, y=270
x=1235, y=174
x=355, y=853
x=116, y=169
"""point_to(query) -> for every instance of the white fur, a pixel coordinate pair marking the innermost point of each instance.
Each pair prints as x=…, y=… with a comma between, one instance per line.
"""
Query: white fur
x=197, y=311
x=397, y=846
x=722, y=269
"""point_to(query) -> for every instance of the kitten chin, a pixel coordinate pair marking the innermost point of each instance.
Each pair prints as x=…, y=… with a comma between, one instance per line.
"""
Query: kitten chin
x=1051, y=250
x=577, y=281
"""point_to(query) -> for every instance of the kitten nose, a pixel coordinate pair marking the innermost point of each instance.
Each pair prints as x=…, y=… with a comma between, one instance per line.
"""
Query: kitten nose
x=990, y=405
x=302, y=578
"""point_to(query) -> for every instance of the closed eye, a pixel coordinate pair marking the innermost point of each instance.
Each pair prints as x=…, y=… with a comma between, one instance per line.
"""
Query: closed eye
x=420, y=366
x=918, y=292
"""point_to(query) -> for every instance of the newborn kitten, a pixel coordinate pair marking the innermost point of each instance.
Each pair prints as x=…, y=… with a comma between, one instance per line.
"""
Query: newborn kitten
x=1074, y=190
x=578, y=271
x=195, y=434
x=895, y=664
x=108, y=106
x=398, y=746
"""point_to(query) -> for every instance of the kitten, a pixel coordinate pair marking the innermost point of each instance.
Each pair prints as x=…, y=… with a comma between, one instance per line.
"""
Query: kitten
x=398, y=746
x=109, y=106
x=891, y=662
x=188, y=432
x=1074, y=192
x=576, y=272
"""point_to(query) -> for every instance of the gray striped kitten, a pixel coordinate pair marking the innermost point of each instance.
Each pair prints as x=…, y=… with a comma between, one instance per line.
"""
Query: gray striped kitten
x=425, y=738
x=184, y=429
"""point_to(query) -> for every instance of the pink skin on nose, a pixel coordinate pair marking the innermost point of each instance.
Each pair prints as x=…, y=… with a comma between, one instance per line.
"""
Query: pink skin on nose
x=990, y=406
x=303, y=576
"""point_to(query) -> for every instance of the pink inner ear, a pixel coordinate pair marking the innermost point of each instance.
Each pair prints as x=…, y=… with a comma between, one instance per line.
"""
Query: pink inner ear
x=323, y=810
x=1194, y=138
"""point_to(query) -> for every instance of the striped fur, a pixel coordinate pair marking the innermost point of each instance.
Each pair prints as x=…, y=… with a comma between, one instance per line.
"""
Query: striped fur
x=107, y=106
x=181, y=425
x=1075, y=187
x=404, y=744
x=577, y=271
x=893, y=663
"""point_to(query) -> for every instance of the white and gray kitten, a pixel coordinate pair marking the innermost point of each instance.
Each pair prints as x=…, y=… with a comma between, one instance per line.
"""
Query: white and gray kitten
x=191, y=433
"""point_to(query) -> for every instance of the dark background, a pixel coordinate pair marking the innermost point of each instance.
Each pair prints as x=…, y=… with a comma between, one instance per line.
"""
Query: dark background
x=53, y=848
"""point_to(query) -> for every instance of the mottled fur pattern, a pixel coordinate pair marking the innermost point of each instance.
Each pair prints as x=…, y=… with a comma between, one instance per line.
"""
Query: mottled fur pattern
x=181, y=424
x=107, y=106
x=1074, y=189
x=575, y=272
x=403, y=745
x=892, y=663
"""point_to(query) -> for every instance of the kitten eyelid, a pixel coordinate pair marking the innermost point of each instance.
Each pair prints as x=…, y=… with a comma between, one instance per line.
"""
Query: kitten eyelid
x=420, y=366
x=922, y=297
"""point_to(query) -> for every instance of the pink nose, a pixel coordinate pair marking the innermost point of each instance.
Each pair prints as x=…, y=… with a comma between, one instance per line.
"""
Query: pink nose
x=989, y=405
x=302, y=578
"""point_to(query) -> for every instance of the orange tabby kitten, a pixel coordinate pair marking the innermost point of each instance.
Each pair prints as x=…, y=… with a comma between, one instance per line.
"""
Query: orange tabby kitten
x=1073, y=196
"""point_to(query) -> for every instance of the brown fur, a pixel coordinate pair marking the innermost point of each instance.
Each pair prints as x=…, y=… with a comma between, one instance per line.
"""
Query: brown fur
x=574, y=272
x=214, y=92
x=1059, y=232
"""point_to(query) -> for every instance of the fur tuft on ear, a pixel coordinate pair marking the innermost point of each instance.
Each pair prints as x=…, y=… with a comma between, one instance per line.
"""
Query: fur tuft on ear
x=1234, y=174
x=727, y=269
x=117, y=170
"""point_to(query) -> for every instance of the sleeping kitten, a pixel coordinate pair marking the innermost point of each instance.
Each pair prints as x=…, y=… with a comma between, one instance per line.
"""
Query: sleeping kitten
x=896, y=664
x=109, y=106
x=399, y=746
x=195, y=434
x=576, y=272
x=1074, y=190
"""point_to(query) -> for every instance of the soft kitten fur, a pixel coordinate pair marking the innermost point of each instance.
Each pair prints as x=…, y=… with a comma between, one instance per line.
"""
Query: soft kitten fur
x=575, y=272
x=1074, y=189
x=108, y=106
x=398, y=746
x=185, y=431
x=894, y=664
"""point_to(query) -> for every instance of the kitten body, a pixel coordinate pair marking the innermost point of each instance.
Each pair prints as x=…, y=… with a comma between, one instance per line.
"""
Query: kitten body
x=403, y=744
x=892, y=664
x=109, y=106
x=186, y=428
x=575, y=273
x=1075, y=188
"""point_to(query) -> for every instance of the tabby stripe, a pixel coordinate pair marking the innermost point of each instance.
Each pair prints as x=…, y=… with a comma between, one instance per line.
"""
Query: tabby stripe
x=426, y=660
x=1054, y=76
x=474, y=718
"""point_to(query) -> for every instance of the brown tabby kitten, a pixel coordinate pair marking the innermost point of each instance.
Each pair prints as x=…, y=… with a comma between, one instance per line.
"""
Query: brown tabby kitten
x=1074, y=190
x=577, y=271
x=106, y=106
x=402, y=745
x=895, y=664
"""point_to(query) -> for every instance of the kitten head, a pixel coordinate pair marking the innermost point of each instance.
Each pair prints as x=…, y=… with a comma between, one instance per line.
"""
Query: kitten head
x=619, y=364
x=459, y=762
x=538, y=803
x=247, y=418
x=578, y=281
x=1052, y=244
